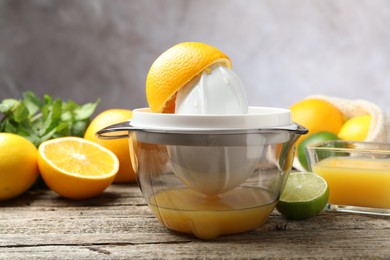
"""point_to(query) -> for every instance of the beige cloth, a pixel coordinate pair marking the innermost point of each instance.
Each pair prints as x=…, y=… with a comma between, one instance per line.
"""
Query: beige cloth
x=379, y=128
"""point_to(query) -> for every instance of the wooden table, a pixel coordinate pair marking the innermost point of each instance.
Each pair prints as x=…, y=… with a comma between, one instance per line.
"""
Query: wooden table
x=119, y=225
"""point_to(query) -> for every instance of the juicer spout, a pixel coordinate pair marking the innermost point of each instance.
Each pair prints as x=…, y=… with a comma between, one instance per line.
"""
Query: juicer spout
x=301, y=130
x=286, y=156
x=116, y=131
x=296, y=133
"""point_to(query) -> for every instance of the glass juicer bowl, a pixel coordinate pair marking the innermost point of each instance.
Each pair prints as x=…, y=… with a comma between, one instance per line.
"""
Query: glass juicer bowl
x=210, y=175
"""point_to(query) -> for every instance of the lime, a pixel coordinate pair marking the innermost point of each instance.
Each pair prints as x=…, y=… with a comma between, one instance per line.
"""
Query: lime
x=304, y=196
x=312, y=139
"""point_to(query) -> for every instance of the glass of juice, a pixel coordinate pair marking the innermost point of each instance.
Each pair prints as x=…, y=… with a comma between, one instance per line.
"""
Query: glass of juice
x=358, y=174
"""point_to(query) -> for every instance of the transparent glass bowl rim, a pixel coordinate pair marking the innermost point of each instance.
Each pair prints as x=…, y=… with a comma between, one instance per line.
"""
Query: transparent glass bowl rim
x=352, y=147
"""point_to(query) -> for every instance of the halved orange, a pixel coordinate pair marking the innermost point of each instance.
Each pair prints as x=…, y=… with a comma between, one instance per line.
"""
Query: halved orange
x=76, y=168
x=120, y=147
x=175, y=68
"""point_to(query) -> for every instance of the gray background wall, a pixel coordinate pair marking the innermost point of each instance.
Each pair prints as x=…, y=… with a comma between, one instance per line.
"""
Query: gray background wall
x=283, y=50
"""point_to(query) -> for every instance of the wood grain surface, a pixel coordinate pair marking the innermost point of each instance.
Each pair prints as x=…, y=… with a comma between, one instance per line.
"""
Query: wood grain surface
x=119, y=225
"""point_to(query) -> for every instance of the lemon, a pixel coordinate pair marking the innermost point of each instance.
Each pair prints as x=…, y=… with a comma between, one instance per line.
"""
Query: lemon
x=120, y=147
x=356, y=128
x=76, y=168
x=18, y=165
x=304, y=195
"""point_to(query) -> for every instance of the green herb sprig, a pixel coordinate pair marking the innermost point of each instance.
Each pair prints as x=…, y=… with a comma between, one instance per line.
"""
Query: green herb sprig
x=42, y=119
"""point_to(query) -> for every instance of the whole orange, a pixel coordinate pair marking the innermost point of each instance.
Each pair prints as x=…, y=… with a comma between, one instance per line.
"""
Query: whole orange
x=317, y=115
x=18, y=165
x=120, y=147
x=176, y=67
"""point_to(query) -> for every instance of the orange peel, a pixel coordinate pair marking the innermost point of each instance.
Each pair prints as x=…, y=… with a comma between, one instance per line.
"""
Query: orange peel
x=176, y=67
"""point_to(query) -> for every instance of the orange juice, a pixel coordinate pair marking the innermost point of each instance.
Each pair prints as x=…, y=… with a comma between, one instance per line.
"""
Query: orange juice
x=359, y=182
x=236, y=211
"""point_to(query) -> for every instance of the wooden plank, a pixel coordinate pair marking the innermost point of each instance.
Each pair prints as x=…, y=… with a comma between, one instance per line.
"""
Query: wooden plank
x=118, y=224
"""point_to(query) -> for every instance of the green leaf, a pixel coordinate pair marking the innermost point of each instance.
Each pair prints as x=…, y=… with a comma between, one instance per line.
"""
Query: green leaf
x=47, y=100
x=23, y=131
x=35, y=139
x=48, y=135
x=52, y=117
x=62, y=129
x=9, y=127
x=37, y=125
x=42, y=119
x=8, y=105
x=56, y=110
x=21, y=113
x=86, y=111
x=32, y=102
x=66, y=116
x=78, y=128
x=70, y=105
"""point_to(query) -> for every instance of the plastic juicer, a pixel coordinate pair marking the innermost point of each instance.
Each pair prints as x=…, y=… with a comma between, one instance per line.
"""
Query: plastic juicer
x=210, y=175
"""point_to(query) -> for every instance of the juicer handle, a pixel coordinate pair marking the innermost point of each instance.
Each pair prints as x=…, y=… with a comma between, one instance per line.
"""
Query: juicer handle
x=115, y=131
x=293, y=128
x=299, y=129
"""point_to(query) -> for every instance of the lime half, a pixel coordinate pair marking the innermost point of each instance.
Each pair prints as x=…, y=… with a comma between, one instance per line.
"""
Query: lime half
x=304, y=196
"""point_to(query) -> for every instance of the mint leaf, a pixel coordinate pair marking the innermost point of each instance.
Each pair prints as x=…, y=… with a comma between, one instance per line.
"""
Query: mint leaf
x=85, y=111
x=47, y=99
x=62, y=130
x=42, y=119
x=32, y=102
x=67, y=115
x=78, y=129
x=9, y=127
x=70, y=106
x=54, y=116
x=21, y=113
x=7, y=105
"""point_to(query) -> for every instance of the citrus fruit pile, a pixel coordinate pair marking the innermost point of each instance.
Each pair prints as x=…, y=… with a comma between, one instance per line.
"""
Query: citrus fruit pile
x=73, y=167
x=326, y=122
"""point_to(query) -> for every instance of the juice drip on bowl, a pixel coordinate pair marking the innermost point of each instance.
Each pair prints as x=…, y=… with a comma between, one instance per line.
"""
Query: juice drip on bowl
x=207, y=217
